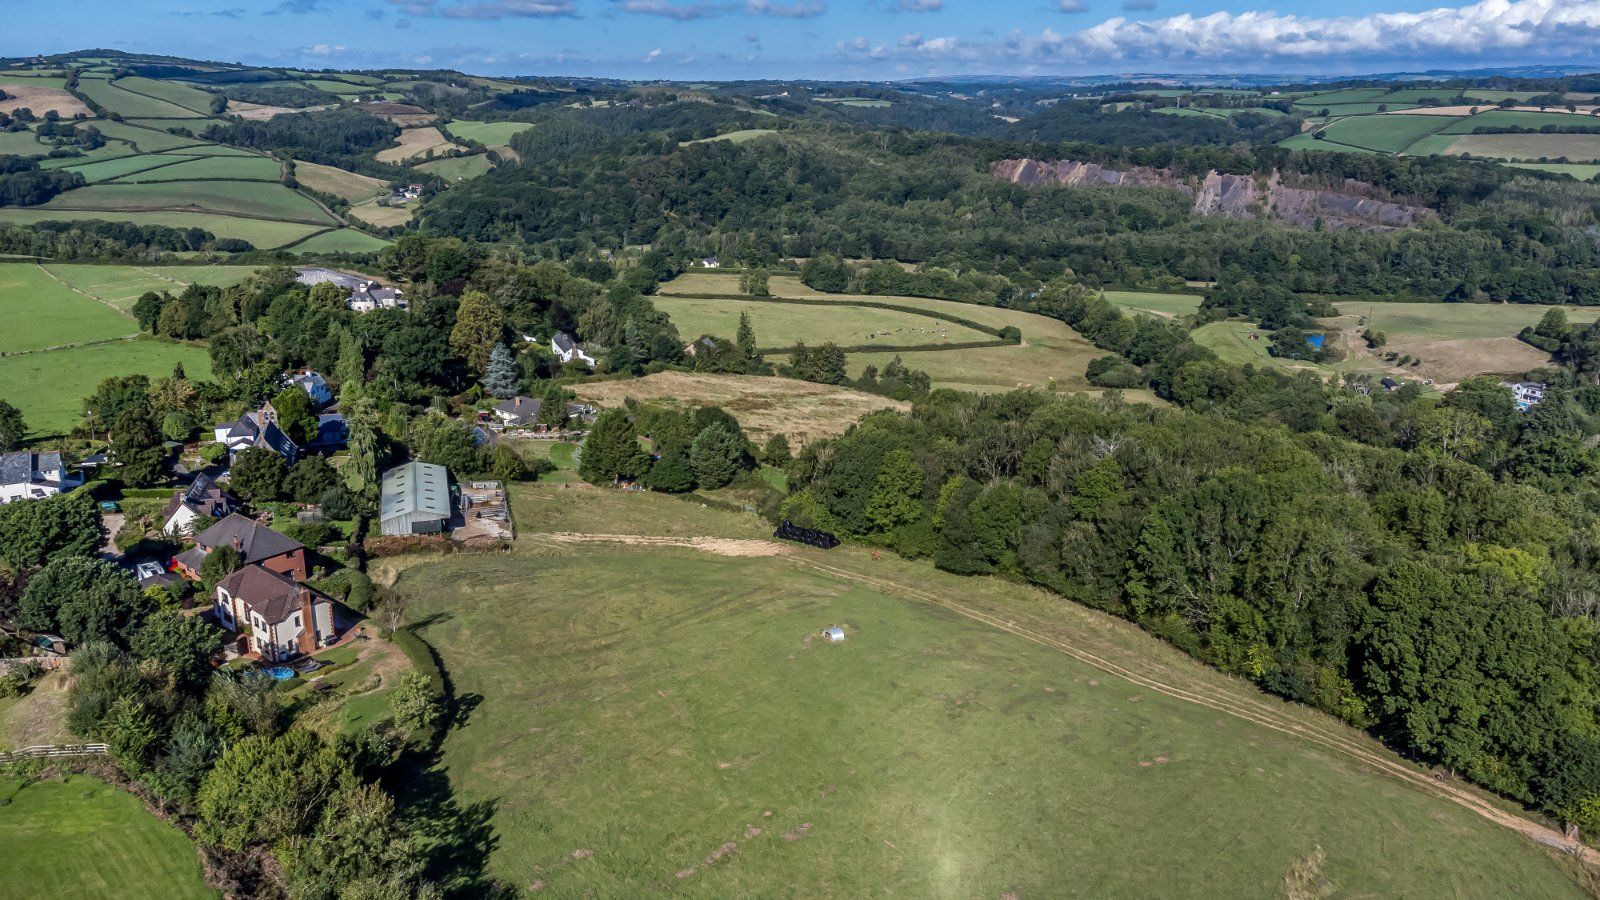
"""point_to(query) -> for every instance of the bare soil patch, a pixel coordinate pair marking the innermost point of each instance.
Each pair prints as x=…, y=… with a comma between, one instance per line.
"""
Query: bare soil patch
x=41, y=100
x=259, y=112
x=799, y=410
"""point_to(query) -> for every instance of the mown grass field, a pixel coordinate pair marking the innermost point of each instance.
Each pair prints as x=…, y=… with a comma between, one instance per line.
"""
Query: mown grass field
x=80, y=837
x=458, y=168
x=42, y=312
x=122, y=285
x=1580, y=171
x=128, y=104
x=1155, y=303
x=49, y=387
x=341, y=240
x=491, y=134
x=206, y=168
x=416, y=143
x=656, y=719
x=1458, y=321
x=784, y=324
x=1572, y=147
x=1385, y=134
x=338, y=182
x=263, y=233
x=258, y=201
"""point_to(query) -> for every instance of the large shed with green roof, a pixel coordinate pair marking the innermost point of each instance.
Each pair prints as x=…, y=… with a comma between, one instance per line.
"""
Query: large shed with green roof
x=416, y=499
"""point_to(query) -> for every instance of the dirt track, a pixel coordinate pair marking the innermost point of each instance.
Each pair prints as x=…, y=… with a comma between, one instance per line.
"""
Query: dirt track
x=1263, y=711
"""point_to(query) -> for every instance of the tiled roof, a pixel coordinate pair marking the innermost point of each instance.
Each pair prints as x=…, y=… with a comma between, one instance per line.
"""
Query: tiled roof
x=272, y=595
x=256, y=542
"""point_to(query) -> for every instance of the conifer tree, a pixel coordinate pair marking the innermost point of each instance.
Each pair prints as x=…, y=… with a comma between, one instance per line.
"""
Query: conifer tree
x=501, y=378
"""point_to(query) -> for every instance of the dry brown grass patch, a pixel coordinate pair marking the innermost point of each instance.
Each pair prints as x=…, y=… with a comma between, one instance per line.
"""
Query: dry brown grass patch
x=799, y=410
x=41, y=100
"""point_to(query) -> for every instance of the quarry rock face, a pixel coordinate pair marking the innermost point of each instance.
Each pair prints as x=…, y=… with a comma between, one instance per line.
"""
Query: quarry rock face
x=1233, y=196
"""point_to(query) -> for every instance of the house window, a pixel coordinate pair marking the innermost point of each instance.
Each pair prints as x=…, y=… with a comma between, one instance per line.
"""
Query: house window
x=297, y=620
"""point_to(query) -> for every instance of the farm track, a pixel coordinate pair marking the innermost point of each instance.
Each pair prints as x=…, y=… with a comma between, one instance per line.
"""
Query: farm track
x=1156, y=677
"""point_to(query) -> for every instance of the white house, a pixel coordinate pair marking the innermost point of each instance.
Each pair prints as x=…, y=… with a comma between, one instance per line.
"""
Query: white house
x=711, y=262
x=518, y=412
x=1526, y=393
x=196, y=507
x=257, y=429
x=315, y=386
x=567, y=350
x=25, y=475
x=277, y=617
x=369, y=295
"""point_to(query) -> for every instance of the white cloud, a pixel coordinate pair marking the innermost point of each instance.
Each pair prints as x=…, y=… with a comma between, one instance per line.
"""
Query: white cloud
x=653, y=55
x=1527, y=30
x=323, y=50
x=1072, y=6
x=681, y=11
x=489, y=9
x=919, y=5
x=797, y=9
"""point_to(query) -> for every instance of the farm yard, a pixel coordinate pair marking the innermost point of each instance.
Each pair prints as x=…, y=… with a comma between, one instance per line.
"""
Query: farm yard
x=77, y=836
x=684, y=727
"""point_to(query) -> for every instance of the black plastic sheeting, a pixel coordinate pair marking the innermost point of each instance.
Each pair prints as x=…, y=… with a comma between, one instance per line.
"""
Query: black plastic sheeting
x=791, y=532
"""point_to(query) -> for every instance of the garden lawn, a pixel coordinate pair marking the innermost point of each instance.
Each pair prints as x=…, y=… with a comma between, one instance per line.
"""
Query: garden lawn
x=659, y=720
x=49, y=387
x=41, y=312
x=80, y=837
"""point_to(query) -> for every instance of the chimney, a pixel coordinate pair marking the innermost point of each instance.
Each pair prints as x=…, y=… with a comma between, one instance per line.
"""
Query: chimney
x=308, y=621
x=238, y=544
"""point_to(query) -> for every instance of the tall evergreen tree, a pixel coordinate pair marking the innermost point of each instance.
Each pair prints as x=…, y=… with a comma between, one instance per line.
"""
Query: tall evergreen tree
x=716, y=456
x=611, y=452
x=480, y=326
x=12, y=428
x=501, y=378
x=746, y=336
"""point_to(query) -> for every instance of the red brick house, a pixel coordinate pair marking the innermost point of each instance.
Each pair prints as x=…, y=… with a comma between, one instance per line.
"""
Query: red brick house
x=256, y=544
x=276, y=616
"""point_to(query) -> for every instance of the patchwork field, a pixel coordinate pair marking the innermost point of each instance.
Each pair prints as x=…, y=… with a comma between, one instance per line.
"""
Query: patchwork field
x=128, y=104
x=80, y=837
x=1050, y=352
x=802, y=411
x=49, y=387
x=681, y=728
x=1572, y=147
x=341, y=240
x=1392, y=126
x=1385, y=134
x=383, y=216
x=211, y=168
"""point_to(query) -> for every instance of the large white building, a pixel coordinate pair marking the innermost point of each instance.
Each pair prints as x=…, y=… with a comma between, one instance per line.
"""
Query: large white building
x=25, y=475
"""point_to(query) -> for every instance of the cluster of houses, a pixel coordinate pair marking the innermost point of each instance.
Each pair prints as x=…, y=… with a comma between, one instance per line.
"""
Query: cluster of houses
x=366, y=294
x=262, y=428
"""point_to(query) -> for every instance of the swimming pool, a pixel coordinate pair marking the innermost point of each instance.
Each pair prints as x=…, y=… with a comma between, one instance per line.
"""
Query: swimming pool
x=281, y=673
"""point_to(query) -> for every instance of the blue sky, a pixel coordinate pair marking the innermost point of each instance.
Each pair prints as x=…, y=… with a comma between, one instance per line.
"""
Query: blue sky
x=826, y=39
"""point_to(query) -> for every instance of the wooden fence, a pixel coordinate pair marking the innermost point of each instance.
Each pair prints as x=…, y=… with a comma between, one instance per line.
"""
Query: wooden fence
x=52, y=751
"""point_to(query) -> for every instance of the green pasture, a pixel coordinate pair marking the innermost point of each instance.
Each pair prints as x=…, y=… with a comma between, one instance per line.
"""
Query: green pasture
x=262, y=233
x=1457, y=321
x=77, y=836
x=260, y=201
x=178, y=94
x=677, y=725
x=784, y=324
x=1308, y=141
x=122, y=285
x=49, y=387
x=338, y=182
x=108, y=169
x=458, y=168
x=1349, y=95
x=492, y=134
x=128, y=104
x=341, y=240
x=1156, y=303
x=148, y=140
x=42, y=312
x=1518, y=118
x=22, y=143
x=1580, y=171
x=201, y=168
x=1577, y=148
x=1384, y=134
